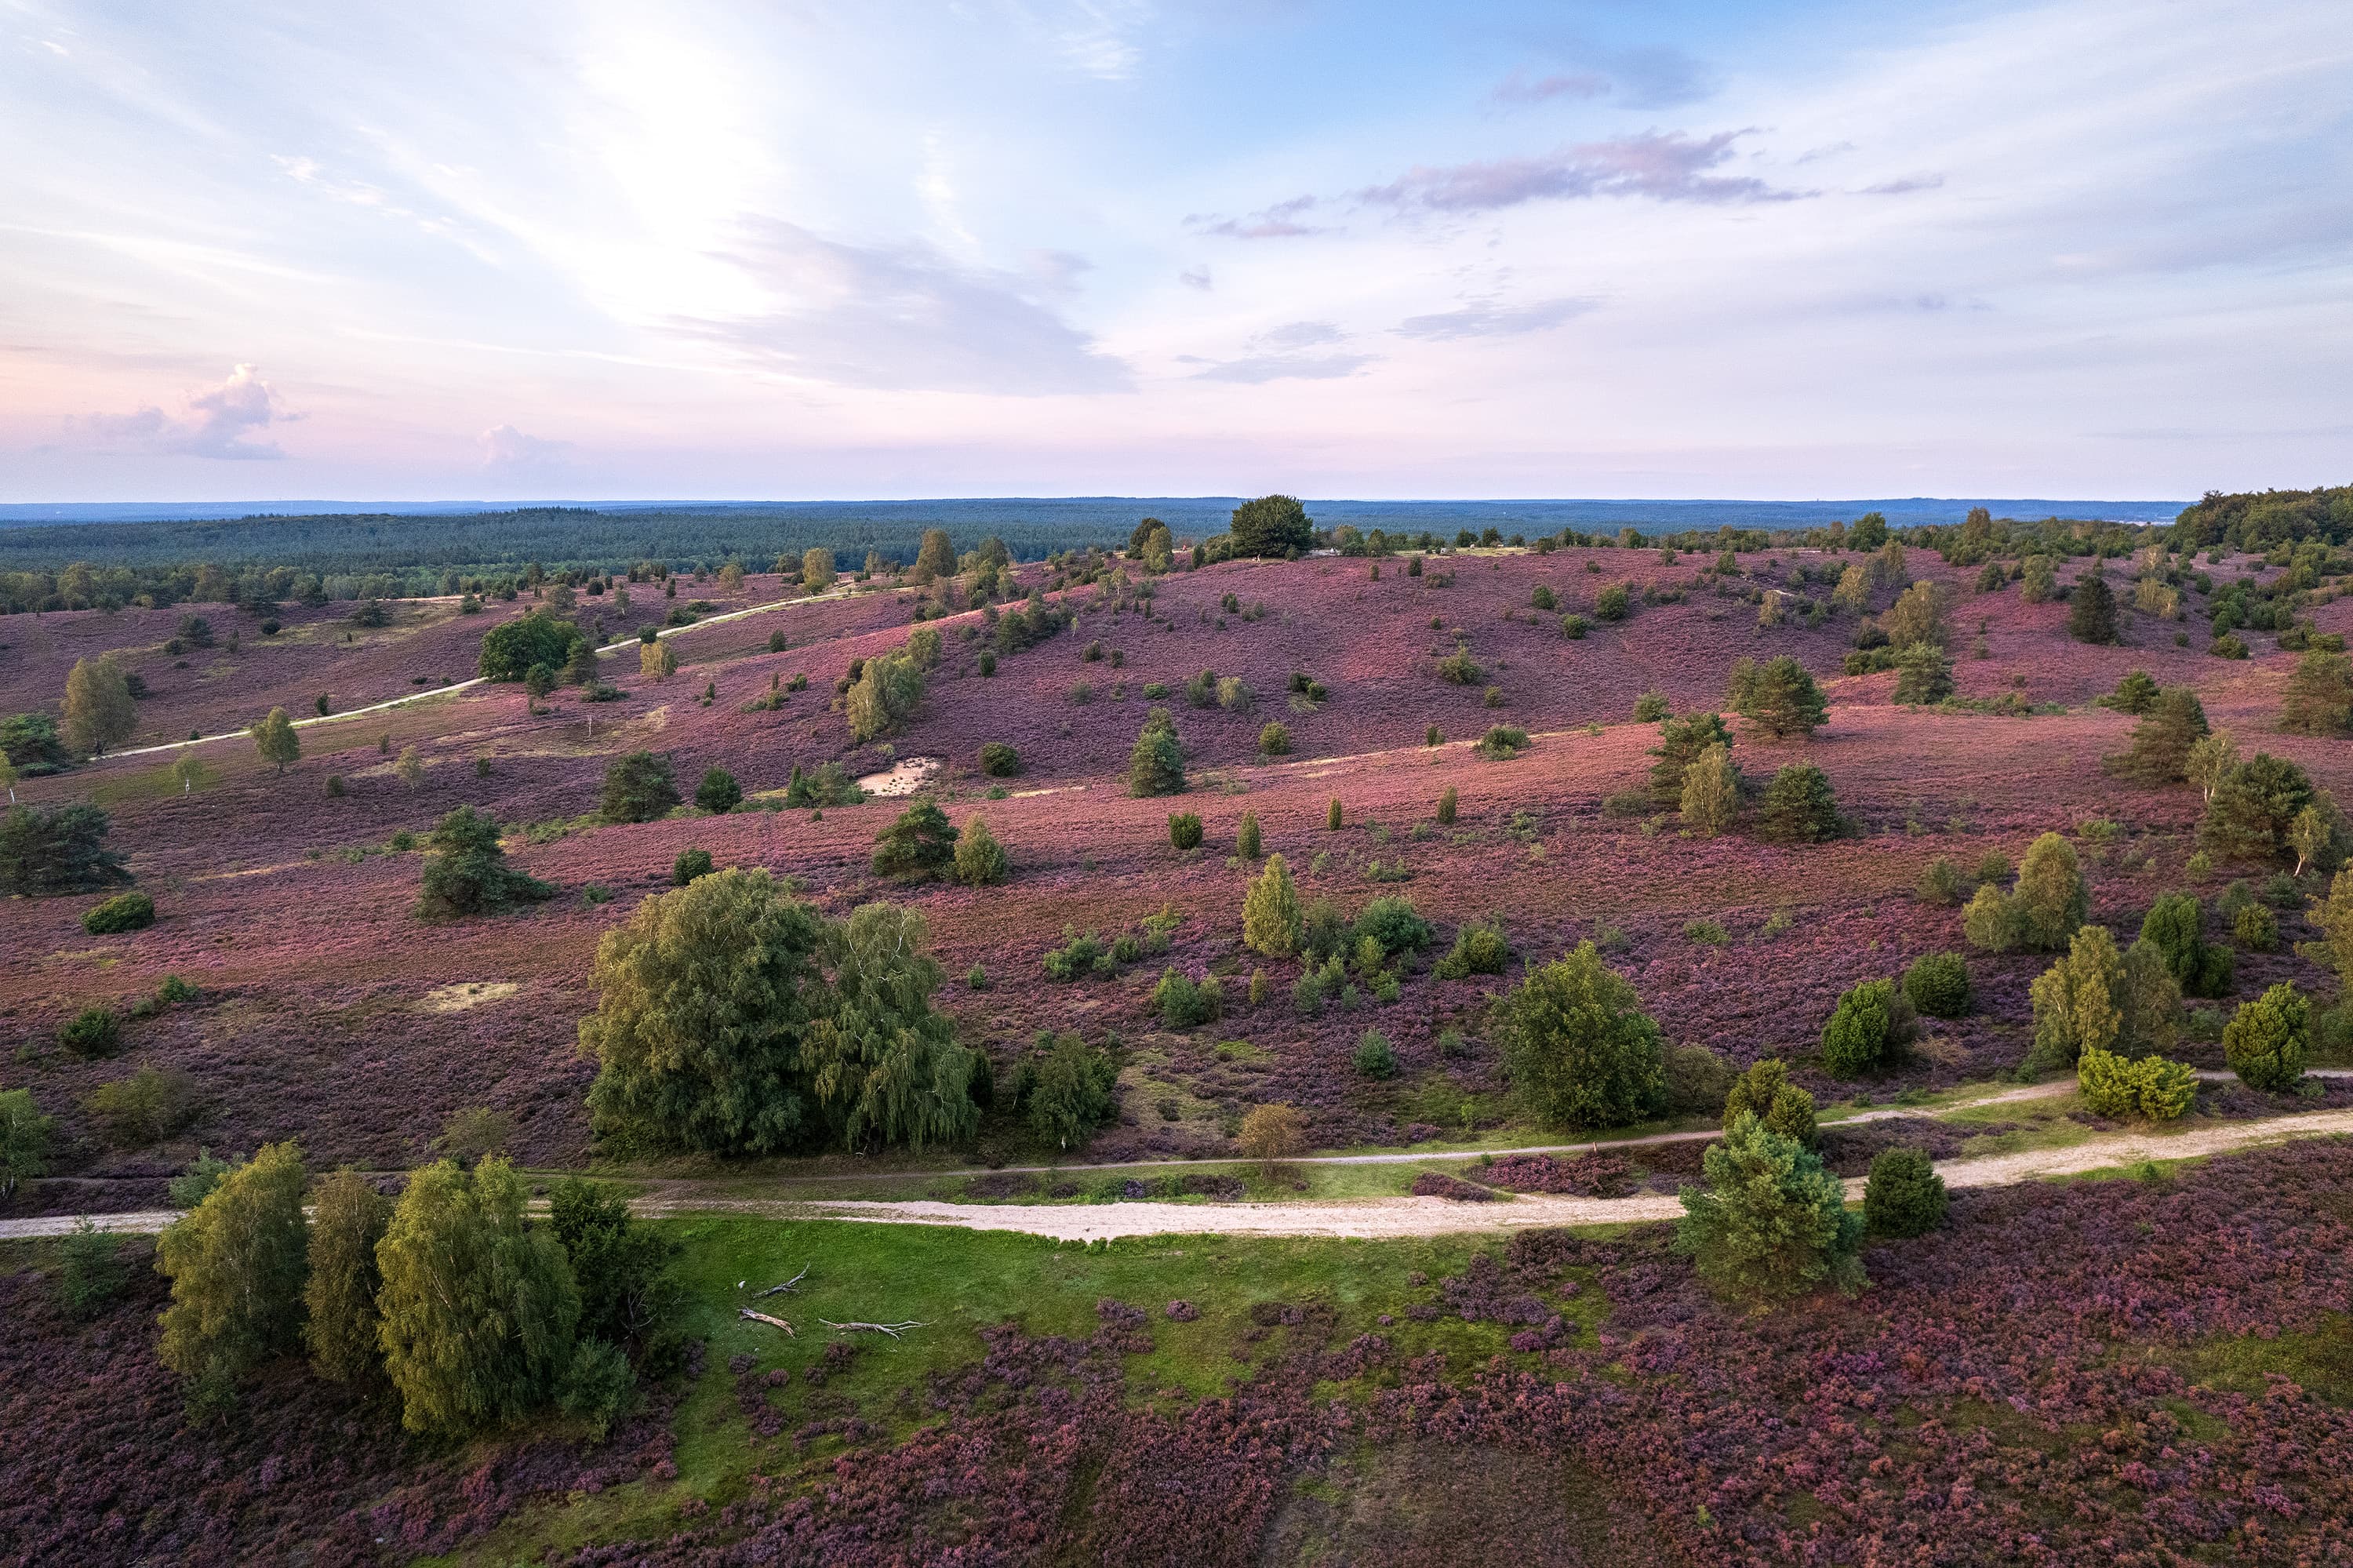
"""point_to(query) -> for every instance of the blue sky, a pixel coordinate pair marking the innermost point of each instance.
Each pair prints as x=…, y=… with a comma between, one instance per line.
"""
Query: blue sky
x=1120, y=246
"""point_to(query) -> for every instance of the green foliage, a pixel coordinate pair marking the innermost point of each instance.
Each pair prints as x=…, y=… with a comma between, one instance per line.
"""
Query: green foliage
x=478, y=1308
x=1245, y=838
x=1868, y=1023
x=24, y=1135
x=1478, y=949
x=91, y=1270
x=466, y=871
x=1940, y=883
x=825, y=784
x=1778, y=697
x=123, y=912
x=1799, y=807
x=1711, y=794
x=629, y=1296
x=1272, y=923
x=638, y=788
x=887, y=692
x=342, y=1326
x=1917, y=618
x=1446, y=806
x=1185, y=830
x=1697, y=1079
x=93, y=1032
x=2136, y=694
x=1937, y=984
x=1904, y=1195
x=1501, y=743
x=2253, y=807
x=1923, y=674
x=1765, y=1092
x=718, y=1027
x=1375, y=1058
x=193, y=1185
x=238, y=1264
x=1611, y=603
x=980, y=859
x=512, y=649
x=1271, y=525
x=1652, y=707
x=1579, y=1049
x=2150, y=1088
x=1275, y=739
x=1068, y=1091
x=2265, y=1042
x=718, y=793
x=2176, y=926
x=2078, y=1001
x=998, y=760
x=1156, y=764
x=57, y=848
x=2319, y=696
x=2041, y=912
x=1682, y=742
x=1184, y=1002
x=1771, y=1223
x=2163, y=742
x=2092, y=610
x=1334, y=816
x=921, y=843
x=690, y=865
x=100, y=709
x=1393, y=923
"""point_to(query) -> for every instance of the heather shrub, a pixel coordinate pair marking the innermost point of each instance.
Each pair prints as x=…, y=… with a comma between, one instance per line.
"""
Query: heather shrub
x=1185, y=830
x=238, y=1264
x=466, y=871
x=1272, y=920
x=690, y=865
x=1937, y=984
x=920, y=843
x=1770, y=1223
x=1904, y=1195
x=980, y=859
x=1799, y=807
x=1697, y=1079
x=2176, y=926
x=998, y=760
x=1765, y=1092
x=638, y=788
x=341, y=1324
x=1579, y=1051
x=125, y=912
x=2150, y=1088
x=1374, y=1057
x=718, y=793
x=1479, y=950
x=1870, y=1022
x=1940, y=883
x=91, y=1033
x=1184, y=1002
x=2265, y=1042
x=1065, y=1089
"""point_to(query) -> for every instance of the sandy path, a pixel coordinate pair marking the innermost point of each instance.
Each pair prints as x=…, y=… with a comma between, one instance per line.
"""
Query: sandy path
x=1372, y=1218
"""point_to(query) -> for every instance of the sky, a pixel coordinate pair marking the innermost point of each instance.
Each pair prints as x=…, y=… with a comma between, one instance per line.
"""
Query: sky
x=867, y=249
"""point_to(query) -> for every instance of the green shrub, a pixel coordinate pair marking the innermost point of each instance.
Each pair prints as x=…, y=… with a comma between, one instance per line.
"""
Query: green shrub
x=2265, y=1042
x=2176, y=926
x=980, y=860
x=1079, y=956
x=1573, y=627
x=1867, y=1024
x=91, y=1272
x=2257, y=929
x=1652, y=707
x=1334, y=817
x=1611, y=603
x=1185, y=830
x=998, y=760
x=1904, y=1195
x=1697, y=1079
x=2150, y=1089
x=1579, y=1049
x=466, y=871
x=921, y=843
x=1446, y=806
x=91, y=1033
x=1799, y=807
x=1479, y=950
x=1245, y=838
x=1272, y=923
x=1066, y=1089
x=1184, y=1002
x=1765, y=1092
x=1374, y=1057
x=24, y=1135
x=1156, y=764
x=637, y=788
x=1940, y=883
x=238, y=1264
x=1501, y=743
x=1275, y=739
x=143, y=1108
x=1770, y=1222
x=123, y=912
x=1393, y=923
x=718, y=793
x=690, y=865
x=1937, y=984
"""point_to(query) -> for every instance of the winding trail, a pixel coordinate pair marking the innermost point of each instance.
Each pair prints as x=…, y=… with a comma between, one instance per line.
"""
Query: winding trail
x=1368, y=1219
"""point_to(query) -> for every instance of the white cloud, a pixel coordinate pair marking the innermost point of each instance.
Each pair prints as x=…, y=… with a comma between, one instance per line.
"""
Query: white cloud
x=217, y=422
x=508, y=450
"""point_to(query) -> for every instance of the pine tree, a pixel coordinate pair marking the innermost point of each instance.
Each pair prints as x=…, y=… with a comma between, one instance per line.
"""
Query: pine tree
x=1680, y=742
x=1782, y=699
x=1765, y=1092
x=236, y=1264
x=1771, y=1223
x=2166, y=738
x=348, y=1218
x=2319, y=696
x=1156, y=766
x=2092, y=610
x=1799, y=807
x=921, y=843
x=1272, y=920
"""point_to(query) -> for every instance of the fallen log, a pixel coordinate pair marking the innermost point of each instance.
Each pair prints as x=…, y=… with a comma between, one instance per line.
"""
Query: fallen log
x=893, y=1329
x=788, y=1284
x=764, y=1318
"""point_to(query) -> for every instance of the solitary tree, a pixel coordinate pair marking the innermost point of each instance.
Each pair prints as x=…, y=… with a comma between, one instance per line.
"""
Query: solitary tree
x=2254, y=806
x=1272, y=920
x=718, y=793
x=2264, y=1040
x=1271, y=1134
x=2319, y=696
x=478, y=1308
x=1904, y=1196
x=638, y=788
x=466, y=871
x=276, y=740
x=816, y=568
x=1579, y=1049
x=342, y=1325
x=1770, y=1223
x=1271, y=525
x=979, y=858
x=1778, y=697
x=99, y=711
x=1156, y=764
x=921, y=843
x=237, y=1265
x=2092, y=610
x=57, y=848
x=935, y=557
x=1799, y=807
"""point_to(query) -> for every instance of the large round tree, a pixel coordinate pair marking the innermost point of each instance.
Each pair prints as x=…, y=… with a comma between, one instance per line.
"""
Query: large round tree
x=1580, y=1050
x=1272, y=526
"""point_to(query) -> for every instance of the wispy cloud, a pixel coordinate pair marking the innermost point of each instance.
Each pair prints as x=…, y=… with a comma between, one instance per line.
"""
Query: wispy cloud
x=1196, y=278
x=906, y=319
x=1905, y=185
x=1658, y=77
x=1281, y=221
x=1490, y=320
x=1280, y=353
x=1663, y=166
x=219, y=423
x=1520, y=87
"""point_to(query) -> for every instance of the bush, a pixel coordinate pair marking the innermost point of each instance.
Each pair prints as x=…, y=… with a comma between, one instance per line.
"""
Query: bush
x=638, y=788
x=1771, y=1223
x=1374, y=1057
x=1392, y=922
x=1573, y=627
x=1904, y=1195
x=1274, y=740
x=1479, y=950
x=2264, y=1043
x=24, y=1140
x=123, y=912
x=512, y=649
x=1765, y=1092
x=93, y=1032
x=980, y=860
x=690, y=865
x=1711, y=794
x=1334, y=818
x=2319, y=696
x=1446, y=806
x=90, y=1271
x=143, y=1108
x=1184, y=1002
x=1923, y=674
x=466, y=871
x=1156, y=764
x=1079, y=957
x=2253, y=807
x=1066, y=1093
x=1272, y=923
x=1501, y=743
x=1937, y=984
x=2257, y=929
x=1611, y=603
x=2176, y=926
x=1683, y=742
x=1185, y=830
x=1697, y=1079
x=2148, y=1089
x=2169, y=732
x=1652, y=707
x=1270, y=1134
x=920, y=843
x=998, y=760
x=1940, y=883
x=1867, y=1024
x=58, y=849
x=1799, y=807
x=2136, y=694
x=1245, y=838
x=718, y=793
x=2092, y=610
x=1779, y=697
x=1579, y=1049
x=1459, y=669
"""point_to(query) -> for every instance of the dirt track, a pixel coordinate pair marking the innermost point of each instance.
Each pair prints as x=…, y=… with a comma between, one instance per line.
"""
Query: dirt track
x=1380, y=1217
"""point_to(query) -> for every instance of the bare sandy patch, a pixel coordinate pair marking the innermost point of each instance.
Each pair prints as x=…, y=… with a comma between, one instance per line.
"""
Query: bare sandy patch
x=467, y=994
x=906, y=776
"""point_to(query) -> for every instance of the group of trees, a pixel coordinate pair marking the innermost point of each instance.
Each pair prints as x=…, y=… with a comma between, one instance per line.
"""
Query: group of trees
x=469, y=1314
x=1697, y=776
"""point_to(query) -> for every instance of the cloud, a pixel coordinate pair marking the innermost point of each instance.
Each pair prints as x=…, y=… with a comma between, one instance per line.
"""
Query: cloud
x=1667, y=166
x=1517, y=89
x=507, y=449
x=307, y=174
x=904, y=318
x=1659, y=76
x=214, y=423
x=1905, y=185
x=1279, y=221
x=1488, y=319
x=1196, y=278
x=1262, y=368
x=1298, y=335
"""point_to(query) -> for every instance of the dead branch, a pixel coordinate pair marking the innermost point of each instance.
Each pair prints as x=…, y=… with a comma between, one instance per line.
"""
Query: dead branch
x=787, y=1285
x=893, y=1329
x=764, y=1318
